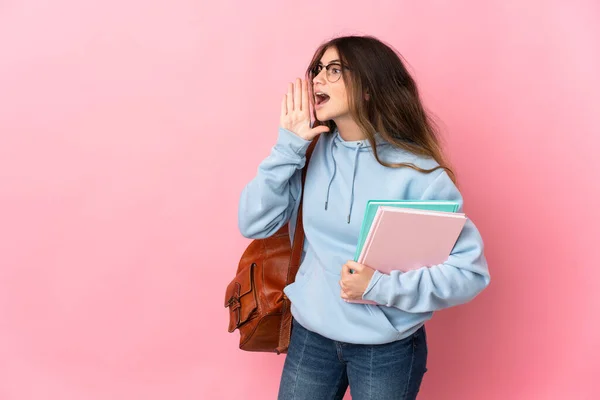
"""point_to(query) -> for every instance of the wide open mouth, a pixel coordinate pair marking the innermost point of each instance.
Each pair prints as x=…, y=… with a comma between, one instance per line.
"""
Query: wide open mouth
x=321, y=98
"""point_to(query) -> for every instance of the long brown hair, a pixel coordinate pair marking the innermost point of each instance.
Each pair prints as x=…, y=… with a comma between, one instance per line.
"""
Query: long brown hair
x=393, y=109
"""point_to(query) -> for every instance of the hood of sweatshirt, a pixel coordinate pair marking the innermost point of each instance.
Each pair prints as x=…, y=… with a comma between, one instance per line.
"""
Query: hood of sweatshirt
x=338, y=144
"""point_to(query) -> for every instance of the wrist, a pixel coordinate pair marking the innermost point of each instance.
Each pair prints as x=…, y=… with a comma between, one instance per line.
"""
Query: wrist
x=288, y=140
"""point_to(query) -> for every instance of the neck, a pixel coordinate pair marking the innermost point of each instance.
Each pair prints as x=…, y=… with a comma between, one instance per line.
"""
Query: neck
x=349, y=129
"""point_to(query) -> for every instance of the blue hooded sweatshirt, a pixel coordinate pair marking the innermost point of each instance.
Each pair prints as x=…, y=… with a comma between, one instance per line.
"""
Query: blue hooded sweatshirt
x=341, y=177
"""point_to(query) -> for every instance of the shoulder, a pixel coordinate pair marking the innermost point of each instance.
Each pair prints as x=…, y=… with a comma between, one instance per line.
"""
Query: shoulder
x=393, y=154
x=434, y=185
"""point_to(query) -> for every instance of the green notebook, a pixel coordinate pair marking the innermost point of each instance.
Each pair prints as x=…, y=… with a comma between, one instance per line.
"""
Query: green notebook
x=371, y=210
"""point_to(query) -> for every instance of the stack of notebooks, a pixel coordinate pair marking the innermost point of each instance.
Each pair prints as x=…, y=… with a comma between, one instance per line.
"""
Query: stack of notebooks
x=406, y=235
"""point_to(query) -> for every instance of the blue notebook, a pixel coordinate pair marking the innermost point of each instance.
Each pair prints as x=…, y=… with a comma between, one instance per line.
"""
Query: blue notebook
x=371, y=210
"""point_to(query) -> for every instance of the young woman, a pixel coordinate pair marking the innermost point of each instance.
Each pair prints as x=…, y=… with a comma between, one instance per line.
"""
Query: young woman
x=375, y=141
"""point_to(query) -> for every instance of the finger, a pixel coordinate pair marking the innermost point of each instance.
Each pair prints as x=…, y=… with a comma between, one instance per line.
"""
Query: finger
x=290, y=98
x=320, y=129
x=355, y=266
x=343, y=295
x=346, y=270
x=298, y=94
x=284, y=105
x=304, y=95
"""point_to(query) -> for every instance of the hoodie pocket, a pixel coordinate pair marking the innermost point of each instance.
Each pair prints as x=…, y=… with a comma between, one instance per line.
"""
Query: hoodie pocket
x=299, y=283
x=377, y=313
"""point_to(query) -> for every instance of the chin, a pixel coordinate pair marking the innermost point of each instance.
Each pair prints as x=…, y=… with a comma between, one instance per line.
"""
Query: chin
x=323, y=116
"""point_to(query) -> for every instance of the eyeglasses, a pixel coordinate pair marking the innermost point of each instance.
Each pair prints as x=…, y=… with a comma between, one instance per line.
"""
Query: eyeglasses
x=333, y=74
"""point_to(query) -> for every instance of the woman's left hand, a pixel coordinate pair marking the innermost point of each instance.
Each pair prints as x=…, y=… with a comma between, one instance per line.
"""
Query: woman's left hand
x=355, y=283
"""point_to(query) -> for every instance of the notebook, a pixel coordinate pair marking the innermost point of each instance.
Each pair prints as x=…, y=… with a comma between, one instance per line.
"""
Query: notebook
x=373, y=205
x=405, y=239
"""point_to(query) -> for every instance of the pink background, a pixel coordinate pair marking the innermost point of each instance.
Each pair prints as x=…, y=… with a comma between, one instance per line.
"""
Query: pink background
x=128, y=129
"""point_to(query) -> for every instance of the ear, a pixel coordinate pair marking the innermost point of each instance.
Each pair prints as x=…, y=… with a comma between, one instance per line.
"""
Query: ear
x=367, y=96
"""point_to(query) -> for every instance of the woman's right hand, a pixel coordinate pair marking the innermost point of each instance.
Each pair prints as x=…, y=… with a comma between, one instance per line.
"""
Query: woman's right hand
x=295, y=111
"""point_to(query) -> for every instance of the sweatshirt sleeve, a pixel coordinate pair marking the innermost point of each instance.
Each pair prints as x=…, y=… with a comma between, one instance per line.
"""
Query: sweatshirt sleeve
x=464, y=275
x=269, y=199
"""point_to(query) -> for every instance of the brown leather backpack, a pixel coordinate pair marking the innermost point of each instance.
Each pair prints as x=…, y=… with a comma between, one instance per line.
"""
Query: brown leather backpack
x=257, y=305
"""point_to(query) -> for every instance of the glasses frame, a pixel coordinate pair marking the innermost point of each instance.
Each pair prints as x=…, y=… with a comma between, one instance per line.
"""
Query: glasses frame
x=327, y=67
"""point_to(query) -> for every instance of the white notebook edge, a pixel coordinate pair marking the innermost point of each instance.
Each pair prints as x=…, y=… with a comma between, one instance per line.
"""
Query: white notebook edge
x=370, y=235
x=423, y=212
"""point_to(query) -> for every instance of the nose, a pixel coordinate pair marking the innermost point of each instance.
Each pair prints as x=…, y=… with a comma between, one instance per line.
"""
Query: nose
x=320, y=77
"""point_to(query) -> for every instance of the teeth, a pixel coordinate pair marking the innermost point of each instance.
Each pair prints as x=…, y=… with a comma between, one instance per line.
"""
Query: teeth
x=321, y=97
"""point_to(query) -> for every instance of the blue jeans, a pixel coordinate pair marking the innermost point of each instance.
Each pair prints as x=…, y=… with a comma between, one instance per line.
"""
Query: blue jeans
x=317, y=368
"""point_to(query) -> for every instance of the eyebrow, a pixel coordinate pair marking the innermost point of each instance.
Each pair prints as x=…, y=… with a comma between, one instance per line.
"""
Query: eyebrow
x=330, y=62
